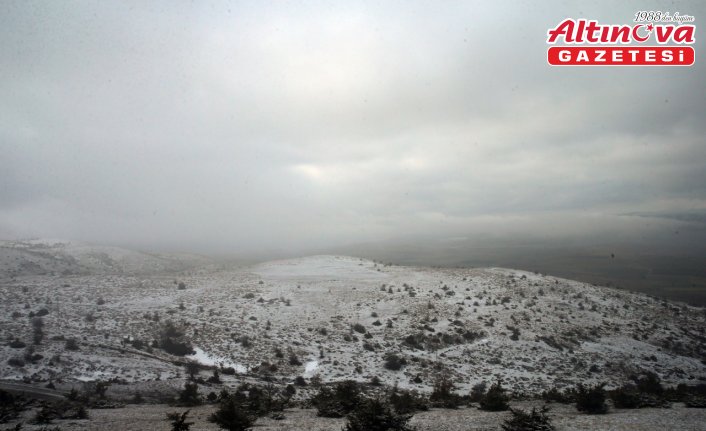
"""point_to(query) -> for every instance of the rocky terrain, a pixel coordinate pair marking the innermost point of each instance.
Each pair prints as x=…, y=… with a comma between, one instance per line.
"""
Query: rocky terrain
x=77, y=313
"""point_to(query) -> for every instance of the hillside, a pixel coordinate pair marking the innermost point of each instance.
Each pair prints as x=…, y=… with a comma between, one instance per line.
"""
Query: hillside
x=341, y=318
x=60, y=257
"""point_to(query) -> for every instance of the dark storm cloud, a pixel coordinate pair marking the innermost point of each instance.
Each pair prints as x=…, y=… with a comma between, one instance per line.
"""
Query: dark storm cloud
x=256, y=126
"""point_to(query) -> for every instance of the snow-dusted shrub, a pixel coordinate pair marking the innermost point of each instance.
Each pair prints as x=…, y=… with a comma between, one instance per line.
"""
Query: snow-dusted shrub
x=376, y=415
x=495, y=400
x=591, y=400
x=534, y=420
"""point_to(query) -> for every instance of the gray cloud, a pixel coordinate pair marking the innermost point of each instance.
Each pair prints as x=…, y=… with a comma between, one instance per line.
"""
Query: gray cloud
x=260, y=126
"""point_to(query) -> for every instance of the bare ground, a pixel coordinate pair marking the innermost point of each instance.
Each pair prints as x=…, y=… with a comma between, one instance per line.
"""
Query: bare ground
x=564, y=417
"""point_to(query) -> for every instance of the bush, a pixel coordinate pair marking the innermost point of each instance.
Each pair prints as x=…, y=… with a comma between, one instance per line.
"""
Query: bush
x=262, y=401
x=338, y=402
x=534, y=420
x=443, y=396
x=477, y=392
x=171, y=340
x=177, y=348
x=215, y=378
x=11, y=406
x=190, y=396
x=178, y=421
x=17, y=344
x=625, y=397
x=71, y=344
x=359, y=328
x=591, y=400
x=631, y=397
x=495, y=400
x=192, y=368
x=16, y=362
x=137, y=398
x=649, y=383
x=555, y=395
x=695, y=402
x=44, y=416
x=37, y=330
x=232, y=416
x=375, y=415
x=394, y=362
x=408, y=402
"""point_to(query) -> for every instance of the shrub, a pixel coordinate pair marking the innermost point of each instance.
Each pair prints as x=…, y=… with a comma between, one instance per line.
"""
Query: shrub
x=338, y=402
x=71, y=344
x=695, y=402
x=16, y=362
x=555, y=395
x=215, y=378
x=11, y=406
x=649, y=383
x=100, y=388
x=631, y=397
x=178, y=421
x=137, y=398
x=591, y=399
x=495, y=400
x=394, y=362
x=477, y=391
x=231, y=415
x=229, y=371
x=190, y=396
x=359, y=328
x=262, y=401
x=375, y=415
x=192, y=368
x=442, y=395
x=407, y=402
x=171, y=340
x=73, y=395
x=534, y=420
x=37, y=330
x=17, y=344
x=44, y=415
x=625, y=397
x=177, y=348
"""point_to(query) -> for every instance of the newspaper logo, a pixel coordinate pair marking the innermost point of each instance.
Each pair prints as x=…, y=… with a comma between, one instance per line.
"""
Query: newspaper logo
x=655, y=39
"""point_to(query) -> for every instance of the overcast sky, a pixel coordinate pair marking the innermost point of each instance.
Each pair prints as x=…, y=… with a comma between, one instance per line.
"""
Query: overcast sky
x=247, y=127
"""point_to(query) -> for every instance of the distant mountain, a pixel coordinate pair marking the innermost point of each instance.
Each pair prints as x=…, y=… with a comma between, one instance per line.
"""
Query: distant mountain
x=61, y=257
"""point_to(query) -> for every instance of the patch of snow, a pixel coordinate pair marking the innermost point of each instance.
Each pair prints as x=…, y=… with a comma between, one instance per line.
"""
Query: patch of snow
x=211, y=360
x=310, y=368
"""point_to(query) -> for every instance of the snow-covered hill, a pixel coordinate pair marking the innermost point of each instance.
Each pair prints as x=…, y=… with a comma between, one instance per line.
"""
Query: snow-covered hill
x=60, y=257
x=342, y=318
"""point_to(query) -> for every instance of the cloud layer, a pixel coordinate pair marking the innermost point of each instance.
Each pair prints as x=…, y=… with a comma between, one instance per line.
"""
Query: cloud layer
x=259, y=126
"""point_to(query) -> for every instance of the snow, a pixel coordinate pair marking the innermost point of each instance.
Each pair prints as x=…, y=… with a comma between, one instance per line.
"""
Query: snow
x=303, y=307
x=211, y=360
x=310, y=368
